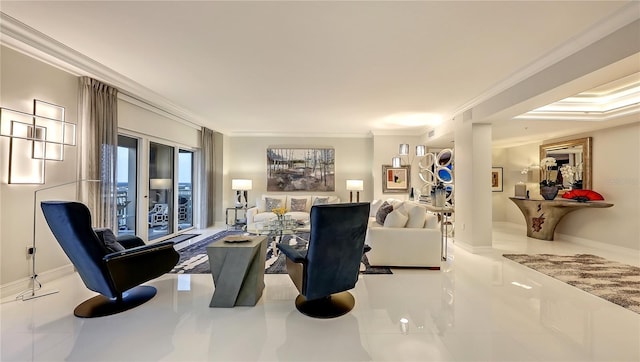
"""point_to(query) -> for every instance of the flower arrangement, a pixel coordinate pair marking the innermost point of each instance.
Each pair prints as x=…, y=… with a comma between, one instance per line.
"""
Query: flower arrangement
x=279, y=211
x=545, y=165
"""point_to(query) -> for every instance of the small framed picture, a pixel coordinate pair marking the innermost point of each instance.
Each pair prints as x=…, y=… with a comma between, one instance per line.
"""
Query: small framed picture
x=496, y=179
x=395, y=179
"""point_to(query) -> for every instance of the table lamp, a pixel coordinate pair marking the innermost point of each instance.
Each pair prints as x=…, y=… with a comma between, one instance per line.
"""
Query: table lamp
x=241, y=186
x=357, y=186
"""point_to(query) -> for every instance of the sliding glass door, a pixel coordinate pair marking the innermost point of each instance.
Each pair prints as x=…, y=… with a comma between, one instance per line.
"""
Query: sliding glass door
x=185, y=189
x=161, y=190
x=168, y=172
x=127, y=185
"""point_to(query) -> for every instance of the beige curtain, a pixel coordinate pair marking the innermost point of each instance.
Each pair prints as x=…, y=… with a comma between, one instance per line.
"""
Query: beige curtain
x=98, y=121
x=207, y=167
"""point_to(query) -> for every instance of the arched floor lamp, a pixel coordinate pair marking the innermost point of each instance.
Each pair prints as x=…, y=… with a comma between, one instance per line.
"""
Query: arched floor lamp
x=31, y=294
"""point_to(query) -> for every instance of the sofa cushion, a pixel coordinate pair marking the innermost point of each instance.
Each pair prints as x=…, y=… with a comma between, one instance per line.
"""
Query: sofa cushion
x=264, y=216
x=301, y=204
x=321, y=200
x=395, y=203
x=261, y=202
x=299, y=215
x=373, y=207
x=417, y=216
x=110, y=241
x=271, y=203
x=328, y=199
x=431, y=221
x=383, y=211
x=395, y=219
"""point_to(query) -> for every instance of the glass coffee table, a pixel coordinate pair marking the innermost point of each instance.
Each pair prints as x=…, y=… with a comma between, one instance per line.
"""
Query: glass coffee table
x=276, y=229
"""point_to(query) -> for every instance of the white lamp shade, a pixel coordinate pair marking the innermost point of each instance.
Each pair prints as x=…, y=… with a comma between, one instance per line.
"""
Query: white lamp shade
x=396, y=162
x=421, y=150
x=355, y=185
x=240, y=184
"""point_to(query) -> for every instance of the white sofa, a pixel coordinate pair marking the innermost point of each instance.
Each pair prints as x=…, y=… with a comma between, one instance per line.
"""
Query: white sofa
x=298, y=206
x=401, y=241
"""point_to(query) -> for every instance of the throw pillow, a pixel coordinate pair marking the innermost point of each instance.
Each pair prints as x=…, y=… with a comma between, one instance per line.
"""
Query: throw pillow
x=373, y=208
x=417, y=216
x=110, y=241
x=395, y=219
x=298, y=204
x=382, y=213
x=270, y=204
x=321, y=201
x=431, y=221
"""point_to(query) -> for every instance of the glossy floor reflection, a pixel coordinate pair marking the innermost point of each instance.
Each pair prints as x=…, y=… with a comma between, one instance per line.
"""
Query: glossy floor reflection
x=479, y=307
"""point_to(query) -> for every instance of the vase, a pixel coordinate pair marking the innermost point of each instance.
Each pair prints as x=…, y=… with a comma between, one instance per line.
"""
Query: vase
x=441, y=196
x=549, y=192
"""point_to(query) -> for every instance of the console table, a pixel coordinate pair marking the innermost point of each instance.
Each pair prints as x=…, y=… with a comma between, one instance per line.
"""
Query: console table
x=542, y=216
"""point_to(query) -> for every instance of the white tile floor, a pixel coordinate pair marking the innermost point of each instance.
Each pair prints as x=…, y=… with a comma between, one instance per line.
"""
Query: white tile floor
x=477, y=308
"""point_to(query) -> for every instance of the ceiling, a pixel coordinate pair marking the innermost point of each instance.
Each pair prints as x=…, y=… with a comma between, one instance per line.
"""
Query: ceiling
x=330, y=68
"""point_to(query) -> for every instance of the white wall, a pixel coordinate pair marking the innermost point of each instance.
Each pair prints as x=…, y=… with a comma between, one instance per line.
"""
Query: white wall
x=616, y=175
x=246, y=157
x=133, y=116
x=385, y=147
x=516, y=159
x=22, y=80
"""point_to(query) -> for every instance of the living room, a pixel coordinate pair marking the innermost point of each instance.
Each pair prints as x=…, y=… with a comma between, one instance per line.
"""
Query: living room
x=28, y=75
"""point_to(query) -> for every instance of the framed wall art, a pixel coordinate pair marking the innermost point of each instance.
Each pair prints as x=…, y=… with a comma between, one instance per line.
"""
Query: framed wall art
x=496, y=179
x=300, y=169
x=395, y=179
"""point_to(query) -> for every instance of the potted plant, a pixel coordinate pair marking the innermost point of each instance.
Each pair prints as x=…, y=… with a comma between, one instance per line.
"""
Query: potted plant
x=548, y=187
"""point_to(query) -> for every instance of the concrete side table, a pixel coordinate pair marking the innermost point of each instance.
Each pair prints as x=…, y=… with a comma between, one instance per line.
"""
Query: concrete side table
x=238, y=271
x=542, y=216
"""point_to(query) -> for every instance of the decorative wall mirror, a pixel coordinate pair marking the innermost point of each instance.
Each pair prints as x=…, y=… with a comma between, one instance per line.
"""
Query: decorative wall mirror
x=573, y=159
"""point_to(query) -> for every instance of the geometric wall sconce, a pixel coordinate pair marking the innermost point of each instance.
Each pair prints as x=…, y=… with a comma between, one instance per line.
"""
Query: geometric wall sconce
x=35, y=138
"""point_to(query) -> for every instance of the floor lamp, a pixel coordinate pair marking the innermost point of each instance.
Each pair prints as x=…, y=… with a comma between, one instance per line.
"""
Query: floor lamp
x=31, y=294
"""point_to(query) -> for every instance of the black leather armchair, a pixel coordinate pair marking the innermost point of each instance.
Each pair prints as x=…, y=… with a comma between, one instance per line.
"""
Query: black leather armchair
x=115, y=275
x=330, y=265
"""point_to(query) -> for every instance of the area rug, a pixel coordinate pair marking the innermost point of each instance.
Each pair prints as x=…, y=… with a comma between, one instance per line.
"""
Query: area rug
x=194, y=259
x=618, y=283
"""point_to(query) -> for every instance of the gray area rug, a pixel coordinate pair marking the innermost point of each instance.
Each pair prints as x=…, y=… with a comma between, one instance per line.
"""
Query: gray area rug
x=616, y=282
x=194, y=259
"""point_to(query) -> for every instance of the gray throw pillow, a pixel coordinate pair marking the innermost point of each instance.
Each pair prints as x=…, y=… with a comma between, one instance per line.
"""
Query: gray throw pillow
x=321, y=201
x=383, y=211
x=299, y=205
x=270, y=203
x=110, y=241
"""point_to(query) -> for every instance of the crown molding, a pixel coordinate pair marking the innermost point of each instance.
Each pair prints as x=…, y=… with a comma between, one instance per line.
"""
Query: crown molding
x=299, y=135
x=621, y=18
x=25, y=39
x=406, y=132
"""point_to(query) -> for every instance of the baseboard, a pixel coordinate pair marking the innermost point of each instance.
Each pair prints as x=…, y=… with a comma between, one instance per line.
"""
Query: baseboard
x=574, y=239
x=509, y=224
x=13, y=288
x=473, y=249
x=597, y=244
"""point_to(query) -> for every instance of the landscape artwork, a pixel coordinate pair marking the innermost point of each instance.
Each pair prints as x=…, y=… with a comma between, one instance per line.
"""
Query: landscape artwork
x=300, y=169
